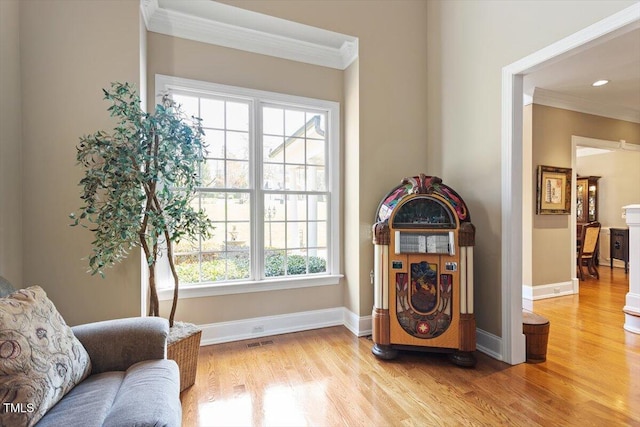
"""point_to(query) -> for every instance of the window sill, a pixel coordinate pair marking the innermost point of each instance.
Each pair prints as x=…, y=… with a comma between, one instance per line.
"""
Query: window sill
x=208, y=290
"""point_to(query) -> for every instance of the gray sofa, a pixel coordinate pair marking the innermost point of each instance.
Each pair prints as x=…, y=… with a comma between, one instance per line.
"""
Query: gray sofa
x=110, y=373
x=131, y=382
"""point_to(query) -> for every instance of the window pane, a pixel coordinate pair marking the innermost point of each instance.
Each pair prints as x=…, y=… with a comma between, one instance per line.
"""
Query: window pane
x=188, y=268
x=237, y=116
x=213, y=173
x=237, y=174
x=215, y=143
x=273, y=176
x=238, y=145
x=188, y=103
x=295, y=179
x=317, y=260
x=296, y=207
x=185, y=247
x=315, y=152
x=274, y=207
x=317, y=234
x=273, y=149
x=296, y=234
x=238, y=236
x=274, y=263
x=274, y=235
x=213, y=267
x=317, y=208
x=238, y=206
x=296, y=263
x=212, y=113
x=214, y=206
x=295, y=150
x=272, y=121
x=216, y=240
x=238, y=265
x=316, y=178
x=294, y=124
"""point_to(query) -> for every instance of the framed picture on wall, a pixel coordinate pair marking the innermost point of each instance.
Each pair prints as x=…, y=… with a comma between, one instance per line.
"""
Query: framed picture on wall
x=554, y=191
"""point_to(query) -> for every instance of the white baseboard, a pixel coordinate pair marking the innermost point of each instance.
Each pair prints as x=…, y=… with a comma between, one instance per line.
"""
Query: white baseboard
x=551, y=290
x=257, y=327
x=359, y=326
x=489, y=344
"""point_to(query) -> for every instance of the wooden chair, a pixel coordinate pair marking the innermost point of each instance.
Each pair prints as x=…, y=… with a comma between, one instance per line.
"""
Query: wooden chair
x=588, y=248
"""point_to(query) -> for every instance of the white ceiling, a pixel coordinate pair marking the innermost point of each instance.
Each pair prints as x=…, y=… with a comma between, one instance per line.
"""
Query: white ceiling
x=567, y=82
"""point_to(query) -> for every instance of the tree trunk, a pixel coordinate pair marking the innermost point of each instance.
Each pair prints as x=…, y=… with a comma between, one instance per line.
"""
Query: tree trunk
x=153, y=293
x=176, y=280
x=154, y=309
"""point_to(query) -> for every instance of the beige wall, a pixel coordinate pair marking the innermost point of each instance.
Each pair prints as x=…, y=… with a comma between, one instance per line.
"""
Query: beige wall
x=10, y=144
x=174, y=56
x=69, y=51
x=551, y=140
x=475, y=40
x=618, y=186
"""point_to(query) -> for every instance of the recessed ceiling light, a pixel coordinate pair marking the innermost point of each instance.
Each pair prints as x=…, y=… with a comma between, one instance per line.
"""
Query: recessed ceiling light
x=600, y=83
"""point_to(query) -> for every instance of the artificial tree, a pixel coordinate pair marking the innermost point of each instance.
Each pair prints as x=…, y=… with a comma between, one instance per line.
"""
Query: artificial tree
x=138, y=185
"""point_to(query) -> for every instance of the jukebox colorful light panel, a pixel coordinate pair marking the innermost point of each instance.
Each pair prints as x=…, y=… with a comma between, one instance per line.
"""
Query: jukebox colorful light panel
x=423, y=274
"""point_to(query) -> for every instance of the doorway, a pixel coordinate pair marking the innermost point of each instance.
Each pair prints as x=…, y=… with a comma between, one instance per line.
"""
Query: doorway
x=516, y=160
x=618, y=164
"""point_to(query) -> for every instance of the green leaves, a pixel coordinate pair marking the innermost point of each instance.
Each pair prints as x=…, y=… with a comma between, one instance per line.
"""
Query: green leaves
x=139, y=179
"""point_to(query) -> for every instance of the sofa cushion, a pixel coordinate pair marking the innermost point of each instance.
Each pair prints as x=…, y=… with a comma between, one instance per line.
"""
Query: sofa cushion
x=147, y=397
x=143, y=396
x=40, y=358
x=88, y=404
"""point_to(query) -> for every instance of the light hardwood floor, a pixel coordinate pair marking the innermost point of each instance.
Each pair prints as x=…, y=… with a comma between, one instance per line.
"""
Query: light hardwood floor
x=328, y=377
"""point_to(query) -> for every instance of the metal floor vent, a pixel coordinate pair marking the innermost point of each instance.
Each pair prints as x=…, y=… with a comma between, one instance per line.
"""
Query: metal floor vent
x=259, y=343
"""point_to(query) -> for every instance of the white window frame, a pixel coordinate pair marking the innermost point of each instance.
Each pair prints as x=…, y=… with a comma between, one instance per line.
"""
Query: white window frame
x=165, y=83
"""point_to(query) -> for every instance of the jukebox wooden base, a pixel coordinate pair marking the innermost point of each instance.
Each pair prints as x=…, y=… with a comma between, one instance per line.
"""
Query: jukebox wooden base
x=465, y=359
x=462, y=356
x=381, y=348
x=423, y=272
x=385, y=352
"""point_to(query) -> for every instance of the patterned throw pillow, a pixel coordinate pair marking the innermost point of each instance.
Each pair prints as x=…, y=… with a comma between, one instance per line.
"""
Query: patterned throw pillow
x=40, y=358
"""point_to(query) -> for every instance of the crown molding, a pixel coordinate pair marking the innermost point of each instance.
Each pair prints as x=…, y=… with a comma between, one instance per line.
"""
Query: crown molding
x=236, y=28
x=568, y=102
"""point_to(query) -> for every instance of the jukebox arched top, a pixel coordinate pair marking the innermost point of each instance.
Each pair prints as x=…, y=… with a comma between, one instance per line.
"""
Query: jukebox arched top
x=423, y=210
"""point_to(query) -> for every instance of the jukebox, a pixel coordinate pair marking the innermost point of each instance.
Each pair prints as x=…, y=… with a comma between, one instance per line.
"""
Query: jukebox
x=423, y=272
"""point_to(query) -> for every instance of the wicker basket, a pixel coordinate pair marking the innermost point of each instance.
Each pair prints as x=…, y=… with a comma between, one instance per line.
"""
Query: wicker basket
x=185, y=352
